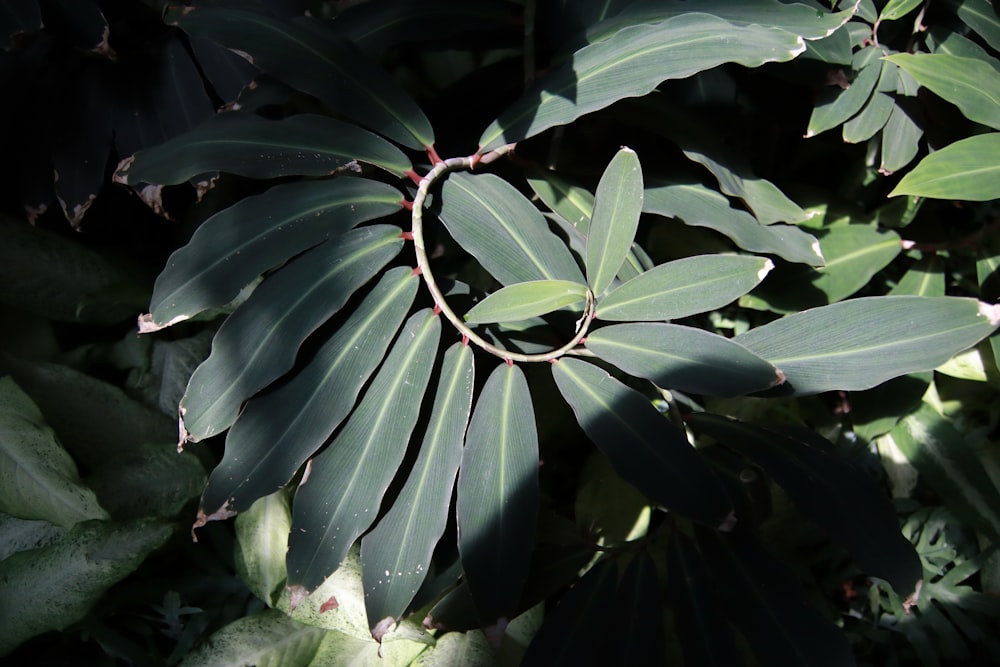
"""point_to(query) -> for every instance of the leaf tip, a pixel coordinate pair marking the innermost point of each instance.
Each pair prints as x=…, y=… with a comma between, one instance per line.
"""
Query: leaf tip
x=764, y=270
x=382, y=627
x=991, y=312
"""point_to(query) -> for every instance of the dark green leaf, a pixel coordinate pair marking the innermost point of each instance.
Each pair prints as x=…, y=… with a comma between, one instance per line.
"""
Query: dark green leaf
x=497, y=495
x=900, y=138
x=676, y=357
x=831, y=491
x=967, y=170
x=495, y=223
x=636, y=635
x=925, y=278
x=521, y=301
x=684, y=287
x=631, y=63
x=845, y=103
x=262, y=453
x=897, y=9
x=259, y=342
x=228, y=72
x=239, y=243
x=84, y=25
x=248, y=145
x=339, y=496
x=404, y=539
x=617, y=206
x=863, y=342
x=969, y=83
x=981, y=16
x=644, y=448
x=310, y=56
x=875, y=113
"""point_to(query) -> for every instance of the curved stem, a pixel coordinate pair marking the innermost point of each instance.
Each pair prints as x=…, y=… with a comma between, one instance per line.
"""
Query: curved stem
x=423, y=264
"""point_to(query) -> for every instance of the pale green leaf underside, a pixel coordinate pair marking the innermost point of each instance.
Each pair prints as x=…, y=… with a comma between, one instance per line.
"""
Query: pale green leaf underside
x=968, y=83
x=523, y=300
x=860, y=343
x=267, y=638
x=968, y=170
x=617, y=206
x=684, y=287
x=262, y=541
x=631, y=63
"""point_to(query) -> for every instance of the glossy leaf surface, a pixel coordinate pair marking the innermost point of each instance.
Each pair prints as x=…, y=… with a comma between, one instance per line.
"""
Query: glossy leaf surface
x=617, y=206
x=968, y=83
x=642, y=445
x=859, y=343
x=521, y=301
x=339, y=499
x=966, y=170
x=842, y=105
x=497, y=494
x=268, y=329
x=684, y=358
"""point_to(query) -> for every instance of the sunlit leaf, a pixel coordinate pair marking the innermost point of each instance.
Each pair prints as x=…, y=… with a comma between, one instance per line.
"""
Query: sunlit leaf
x=241, y=242
x=859, y=343
x=497, y=494
x=925, y=278
x=262, y=453
x=339, y=497
x=684, y=287
x=504, y=231
x=875, y=114
x=249, y=145
x=617, y=206
x=642, y=445
x=404, y=539
x=523, y=300
x=845, y=103
x=968, y=83
x=631, y=63
x=684, y=358
x=900, y=138
x=259, y=342
x=981, y=16
x=267, y=638
x=896, y=9
x=967, y=169
x=312, y=57
x=261, y=545
x=338, y=604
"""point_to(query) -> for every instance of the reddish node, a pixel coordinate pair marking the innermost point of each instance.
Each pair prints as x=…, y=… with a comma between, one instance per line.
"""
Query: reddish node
x=510, y=362
x=554, y=361
x=465, y=340
x=406, y=236
x=437, y=309
x=407, y=204
x=416, y=271
x=328, y=605
x=432, y=155
x=474, y=160
x=413, y=176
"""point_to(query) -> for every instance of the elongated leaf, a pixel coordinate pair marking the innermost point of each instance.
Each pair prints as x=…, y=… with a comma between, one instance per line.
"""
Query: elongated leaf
x=764, y=599
x=497, y=495
x=495, y=223
x=925, y=278
x=967, y=169
x=833, y=492
x=262, y=453
x=239, y=243
x=950, y=465
x=981, y=16
x=248, y=145
x=54, y=587
x=968, y=83
x=637, y=630
x=523, y=300
x=684, y=287
x=617, y=206
x=267, y=638
x=845, y=103
x=568, y=637
x=875, y=114
x=676, y=357
x=403, y=541
x=258, y=343
x=310, y=56
x=696, y=205
x=38, y=479
x=896, y=9
x=643, y=447
x=859, y=343
x=900, y=138
x=631, y=63
x=339, y=499
x=261, y=545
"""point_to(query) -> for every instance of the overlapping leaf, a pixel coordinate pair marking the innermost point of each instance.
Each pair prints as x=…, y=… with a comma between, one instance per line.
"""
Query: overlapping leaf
x=339, y=498
x=258, y=342
x=521, y=301
x=875, y=114
x=262, y=453
x=968, y=83
x=967, y=170
x=843, y=104
x=617, y=206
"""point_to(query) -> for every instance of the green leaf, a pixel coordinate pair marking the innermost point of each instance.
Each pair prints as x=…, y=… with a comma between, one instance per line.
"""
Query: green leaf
x=981, y=16
x=617, y=206
x=574, y=203
x=845, y=103
x=248, y=145
x=875, y=113
x=309, y=55
x=338, y=604
x=967, y=169
x=900, y=139
x=403, y=541
x=523, y=300
x=259, y=342
x=969, y=83
x=53, y=587
x=925, y=278
x=239, y=243
x=643, y=447
x=830, y=490
x=859, y=343
x=676, y=357
x=633, y=62
x=492, y=221
x=697, y=205
x=946, y=459
x=267, y=638
x=497, y=495
x=262, y=453
x=338, y=499
x=38, y=479
x=684, y=287
x=261, y=545
x=636, y=633
x=22, y=534
x=897, y=9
